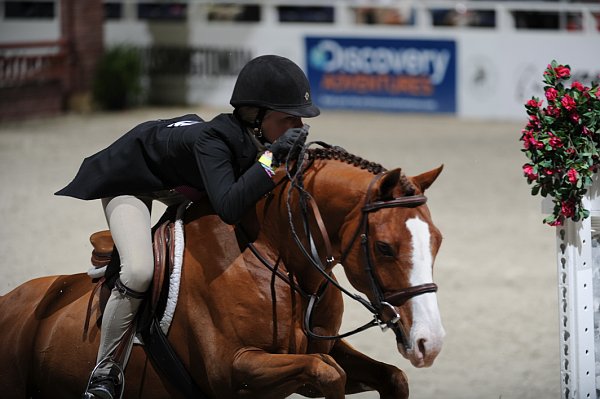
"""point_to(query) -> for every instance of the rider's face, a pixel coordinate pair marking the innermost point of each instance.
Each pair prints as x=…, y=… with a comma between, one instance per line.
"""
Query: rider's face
x=276, y=123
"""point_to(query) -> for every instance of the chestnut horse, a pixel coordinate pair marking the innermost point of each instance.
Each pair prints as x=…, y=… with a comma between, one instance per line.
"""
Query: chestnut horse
x=241, y=330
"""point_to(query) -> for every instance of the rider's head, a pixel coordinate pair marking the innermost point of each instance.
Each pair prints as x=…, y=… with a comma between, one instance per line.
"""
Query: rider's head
x=272, y=94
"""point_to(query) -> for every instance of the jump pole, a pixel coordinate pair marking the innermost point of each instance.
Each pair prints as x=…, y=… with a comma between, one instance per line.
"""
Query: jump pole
x=578, y=243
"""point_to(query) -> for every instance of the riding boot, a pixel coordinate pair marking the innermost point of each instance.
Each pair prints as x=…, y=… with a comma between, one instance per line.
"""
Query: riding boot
x=116, y=341
x=103, y=384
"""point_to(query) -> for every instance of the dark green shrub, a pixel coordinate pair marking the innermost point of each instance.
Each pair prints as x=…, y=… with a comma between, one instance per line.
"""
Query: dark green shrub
x=117, y=80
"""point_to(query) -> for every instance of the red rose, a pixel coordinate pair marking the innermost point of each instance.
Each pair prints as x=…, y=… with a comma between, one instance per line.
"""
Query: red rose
x=534, y=103
x=530, y=141
x=567, y=208
x=528, y=172
x=552, y=111
x=577, y=86
x=526, y=138
x=557, y=222
x=574, y=117
x=534, y=122
x=562, y=72
x=568, y=102
x=551, y=94
x=573, y=176
x=555, y=142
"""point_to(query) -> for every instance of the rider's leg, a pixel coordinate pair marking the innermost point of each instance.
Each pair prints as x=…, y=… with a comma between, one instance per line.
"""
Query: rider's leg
x=129, y=221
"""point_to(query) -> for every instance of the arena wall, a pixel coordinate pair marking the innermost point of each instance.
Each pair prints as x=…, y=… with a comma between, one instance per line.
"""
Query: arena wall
x=496, y=69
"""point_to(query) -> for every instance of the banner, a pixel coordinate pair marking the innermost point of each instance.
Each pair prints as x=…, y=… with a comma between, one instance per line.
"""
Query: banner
x=382, y=74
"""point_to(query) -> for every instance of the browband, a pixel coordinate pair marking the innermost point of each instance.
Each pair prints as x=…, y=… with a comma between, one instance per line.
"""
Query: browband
x=407, y=202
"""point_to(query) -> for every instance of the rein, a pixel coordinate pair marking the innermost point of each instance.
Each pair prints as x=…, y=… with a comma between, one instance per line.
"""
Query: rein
x=384, y=314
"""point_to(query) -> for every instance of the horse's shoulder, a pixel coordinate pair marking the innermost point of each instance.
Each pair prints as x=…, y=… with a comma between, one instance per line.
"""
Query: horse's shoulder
x=61, y=291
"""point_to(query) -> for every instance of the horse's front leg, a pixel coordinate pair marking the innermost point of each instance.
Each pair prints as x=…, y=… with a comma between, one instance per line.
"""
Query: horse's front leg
x=257, y=374
x=366, y=374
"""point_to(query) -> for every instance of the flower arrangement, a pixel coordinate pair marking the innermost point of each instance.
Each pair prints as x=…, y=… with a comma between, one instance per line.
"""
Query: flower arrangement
x=562, y=143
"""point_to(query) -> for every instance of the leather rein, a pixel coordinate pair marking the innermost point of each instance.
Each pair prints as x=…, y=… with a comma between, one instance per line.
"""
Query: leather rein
x=382, y=306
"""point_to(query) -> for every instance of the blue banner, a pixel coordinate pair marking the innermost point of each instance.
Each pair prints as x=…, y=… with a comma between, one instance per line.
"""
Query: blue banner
x=382, y=74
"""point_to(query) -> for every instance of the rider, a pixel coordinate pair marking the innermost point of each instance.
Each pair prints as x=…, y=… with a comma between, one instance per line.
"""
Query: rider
x=231, y=159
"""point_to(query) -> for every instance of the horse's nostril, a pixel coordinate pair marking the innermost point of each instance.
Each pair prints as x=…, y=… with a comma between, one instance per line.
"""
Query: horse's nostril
x=421, y=344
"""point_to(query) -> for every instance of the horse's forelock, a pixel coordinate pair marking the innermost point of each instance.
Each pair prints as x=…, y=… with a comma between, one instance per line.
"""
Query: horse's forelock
x=408, y=188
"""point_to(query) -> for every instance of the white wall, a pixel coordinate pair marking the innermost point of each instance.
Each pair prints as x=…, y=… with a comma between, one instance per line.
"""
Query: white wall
x=513, y=64
x=498, y=69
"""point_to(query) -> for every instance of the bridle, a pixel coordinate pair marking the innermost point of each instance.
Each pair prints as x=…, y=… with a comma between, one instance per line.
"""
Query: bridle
x=384, y=312
x=382, y=306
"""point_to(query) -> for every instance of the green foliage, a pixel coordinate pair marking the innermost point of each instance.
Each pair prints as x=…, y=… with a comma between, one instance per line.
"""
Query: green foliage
x=562, y=143
x=117, y=82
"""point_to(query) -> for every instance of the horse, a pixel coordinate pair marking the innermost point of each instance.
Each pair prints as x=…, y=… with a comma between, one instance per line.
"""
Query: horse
x=263, y=320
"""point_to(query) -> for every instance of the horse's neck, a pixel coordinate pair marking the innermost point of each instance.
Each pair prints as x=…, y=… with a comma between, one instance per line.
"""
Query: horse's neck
x=338, y=190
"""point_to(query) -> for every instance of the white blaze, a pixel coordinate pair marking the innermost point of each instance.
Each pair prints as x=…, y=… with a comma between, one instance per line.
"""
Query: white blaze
x=427, y=333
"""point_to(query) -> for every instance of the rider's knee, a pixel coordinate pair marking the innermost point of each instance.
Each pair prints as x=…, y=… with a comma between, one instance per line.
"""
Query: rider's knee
x=128, y=292
x=137, y=278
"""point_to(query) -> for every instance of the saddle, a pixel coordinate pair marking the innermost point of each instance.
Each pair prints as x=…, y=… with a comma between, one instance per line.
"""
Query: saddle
x=105, y=255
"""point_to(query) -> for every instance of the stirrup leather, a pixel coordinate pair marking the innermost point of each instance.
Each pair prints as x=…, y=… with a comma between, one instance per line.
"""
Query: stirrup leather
x=128, y=292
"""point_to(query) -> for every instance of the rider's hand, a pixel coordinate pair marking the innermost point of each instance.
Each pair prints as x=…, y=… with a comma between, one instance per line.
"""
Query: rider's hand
x=282, y=146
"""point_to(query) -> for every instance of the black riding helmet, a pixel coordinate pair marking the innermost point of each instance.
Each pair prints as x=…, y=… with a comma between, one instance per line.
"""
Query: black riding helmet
x=275, y=83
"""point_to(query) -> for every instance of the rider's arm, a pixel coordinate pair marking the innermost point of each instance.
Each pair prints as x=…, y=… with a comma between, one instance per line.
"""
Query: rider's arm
x=230, y=197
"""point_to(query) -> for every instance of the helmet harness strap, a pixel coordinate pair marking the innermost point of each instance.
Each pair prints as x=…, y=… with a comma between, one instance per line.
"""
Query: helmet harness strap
x=257, y=125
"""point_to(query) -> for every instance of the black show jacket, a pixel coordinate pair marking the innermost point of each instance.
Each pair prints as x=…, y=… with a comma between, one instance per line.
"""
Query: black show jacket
x=216, y=157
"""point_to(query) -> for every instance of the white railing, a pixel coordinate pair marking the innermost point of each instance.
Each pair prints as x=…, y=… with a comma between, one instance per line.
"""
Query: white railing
x=29, y=62
x=344, y=10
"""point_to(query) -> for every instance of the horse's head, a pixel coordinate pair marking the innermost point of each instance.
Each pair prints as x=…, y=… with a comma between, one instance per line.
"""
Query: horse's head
x=380, y=229
x=389, y=244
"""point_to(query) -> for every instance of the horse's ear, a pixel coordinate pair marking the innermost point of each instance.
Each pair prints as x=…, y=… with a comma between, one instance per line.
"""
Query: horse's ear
x=389, y=187
x=424, y=180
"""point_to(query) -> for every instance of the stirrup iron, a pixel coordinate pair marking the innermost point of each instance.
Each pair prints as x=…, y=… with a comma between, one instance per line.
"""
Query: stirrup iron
x=120, y=376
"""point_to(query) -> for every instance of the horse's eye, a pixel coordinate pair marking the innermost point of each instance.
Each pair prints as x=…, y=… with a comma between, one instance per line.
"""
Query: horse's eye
x=384, y=249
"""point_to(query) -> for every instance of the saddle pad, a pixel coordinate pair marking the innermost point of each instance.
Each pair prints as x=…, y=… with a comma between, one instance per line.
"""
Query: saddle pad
x=175, y=277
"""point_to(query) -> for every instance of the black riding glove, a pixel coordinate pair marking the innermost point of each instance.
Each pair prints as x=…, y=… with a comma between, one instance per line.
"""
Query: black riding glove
x=282, y=146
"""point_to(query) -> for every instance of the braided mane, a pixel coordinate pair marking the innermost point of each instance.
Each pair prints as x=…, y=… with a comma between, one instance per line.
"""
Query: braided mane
x=340, y=154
